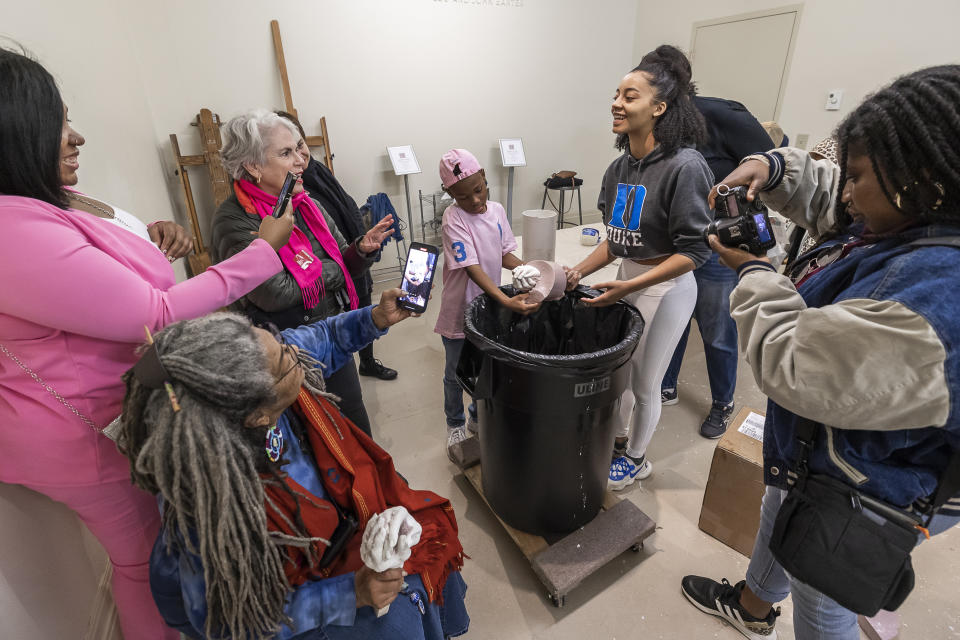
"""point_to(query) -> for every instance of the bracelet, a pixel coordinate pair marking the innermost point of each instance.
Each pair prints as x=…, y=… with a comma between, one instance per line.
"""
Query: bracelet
x=757, y=156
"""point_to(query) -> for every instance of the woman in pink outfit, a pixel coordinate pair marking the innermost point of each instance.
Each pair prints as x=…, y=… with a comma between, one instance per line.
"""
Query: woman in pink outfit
x=80, y=281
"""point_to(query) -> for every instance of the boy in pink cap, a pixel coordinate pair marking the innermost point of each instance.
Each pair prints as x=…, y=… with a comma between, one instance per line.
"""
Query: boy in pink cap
x=477, y=243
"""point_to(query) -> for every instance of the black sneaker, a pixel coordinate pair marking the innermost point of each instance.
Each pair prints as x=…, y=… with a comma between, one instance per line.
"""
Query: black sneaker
x=376, y=369
x=717, y=422
x=668, y=397
x=722, y=599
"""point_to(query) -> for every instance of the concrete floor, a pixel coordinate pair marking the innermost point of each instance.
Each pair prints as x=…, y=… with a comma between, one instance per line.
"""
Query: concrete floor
x=635, y=595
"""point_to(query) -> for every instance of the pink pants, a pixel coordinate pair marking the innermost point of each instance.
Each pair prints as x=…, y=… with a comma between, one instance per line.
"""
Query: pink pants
x=126, y=521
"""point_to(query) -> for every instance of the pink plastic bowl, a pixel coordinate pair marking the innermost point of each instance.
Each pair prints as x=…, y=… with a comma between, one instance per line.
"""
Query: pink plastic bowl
x=552, y=284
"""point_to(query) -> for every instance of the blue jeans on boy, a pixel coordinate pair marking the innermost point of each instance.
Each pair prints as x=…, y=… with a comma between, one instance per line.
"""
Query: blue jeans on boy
x=452, y=391
x=715, y=283
x=815, y=616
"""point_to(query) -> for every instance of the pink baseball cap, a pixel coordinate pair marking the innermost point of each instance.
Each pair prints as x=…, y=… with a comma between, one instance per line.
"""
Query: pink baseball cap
x=455, y=165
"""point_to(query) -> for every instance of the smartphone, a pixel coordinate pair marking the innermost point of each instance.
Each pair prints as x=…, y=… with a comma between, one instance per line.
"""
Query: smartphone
x=285, y=192
x=418, y=276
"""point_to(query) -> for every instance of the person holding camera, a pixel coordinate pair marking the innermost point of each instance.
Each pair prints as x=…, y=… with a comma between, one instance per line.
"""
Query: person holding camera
x=654, y=213
x=858, y=355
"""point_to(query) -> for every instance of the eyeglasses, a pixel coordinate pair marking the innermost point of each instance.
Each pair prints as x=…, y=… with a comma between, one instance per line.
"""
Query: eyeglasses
x=284, y=349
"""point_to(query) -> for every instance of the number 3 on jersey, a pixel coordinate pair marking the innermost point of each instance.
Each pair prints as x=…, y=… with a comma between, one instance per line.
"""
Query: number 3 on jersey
x=459, y=252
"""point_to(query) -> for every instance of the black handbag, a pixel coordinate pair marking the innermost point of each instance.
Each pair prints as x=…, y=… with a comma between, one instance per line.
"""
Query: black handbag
x=562, y=179
x=846, y=544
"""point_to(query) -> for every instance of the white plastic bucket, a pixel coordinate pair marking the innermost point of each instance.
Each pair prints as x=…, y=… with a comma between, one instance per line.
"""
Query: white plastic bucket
x=539, y=234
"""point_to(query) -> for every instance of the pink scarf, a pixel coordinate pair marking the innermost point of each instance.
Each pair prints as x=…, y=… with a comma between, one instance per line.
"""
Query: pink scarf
x=297, y=255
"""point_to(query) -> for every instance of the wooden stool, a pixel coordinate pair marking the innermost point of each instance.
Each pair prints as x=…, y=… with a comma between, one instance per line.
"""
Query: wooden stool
x=560, y=221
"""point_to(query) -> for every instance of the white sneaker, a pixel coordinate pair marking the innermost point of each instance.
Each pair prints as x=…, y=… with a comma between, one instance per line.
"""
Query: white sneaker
x=624, y=472
x=472, y=425
x=455, y=435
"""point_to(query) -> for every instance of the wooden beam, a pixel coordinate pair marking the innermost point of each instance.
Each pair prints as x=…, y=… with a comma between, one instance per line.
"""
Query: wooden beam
x=327, y=155
x=282, y=64
x=210, y=137
x=188, y=192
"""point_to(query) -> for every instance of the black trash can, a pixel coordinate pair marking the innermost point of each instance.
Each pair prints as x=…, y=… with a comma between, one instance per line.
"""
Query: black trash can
x=547, y=388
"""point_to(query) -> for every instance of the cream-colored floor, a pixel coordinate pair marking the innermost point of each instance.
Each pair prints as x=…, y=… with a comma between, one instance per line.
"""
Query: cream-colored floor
x=635, y=595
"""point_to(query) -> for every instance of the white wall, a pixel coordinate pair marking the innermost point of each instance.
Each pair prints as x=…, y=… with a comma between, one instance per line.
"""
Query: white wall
x=432, y=73
x=854, y=45
x=49, y=568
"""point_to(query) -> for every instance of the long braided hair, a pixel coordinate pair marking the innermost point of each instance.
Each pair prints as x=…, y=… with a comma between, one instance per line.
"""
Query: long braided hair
x=207, y=465
x=668, y=72
x=910, y=130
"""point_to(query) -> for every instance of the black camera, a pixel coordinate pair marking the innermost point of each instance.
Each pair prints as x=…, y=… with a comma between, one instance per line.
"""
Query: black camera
x=741, y=224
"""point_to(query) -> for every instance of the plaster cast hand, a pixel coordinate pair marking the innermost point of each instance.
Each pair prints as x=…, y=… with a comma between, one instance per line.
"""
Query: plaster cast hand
x=525, y=277
x=388, y=539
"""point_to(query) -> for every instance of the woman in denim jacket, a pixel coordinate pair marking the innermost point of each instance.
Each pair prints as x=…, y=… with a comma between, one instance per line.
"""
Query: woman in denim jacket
x=866, y=345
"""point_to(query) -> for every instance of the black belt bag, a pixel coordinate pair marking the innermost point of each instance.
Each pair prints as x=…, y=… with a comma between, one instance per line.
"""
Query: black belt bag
x=849, y=546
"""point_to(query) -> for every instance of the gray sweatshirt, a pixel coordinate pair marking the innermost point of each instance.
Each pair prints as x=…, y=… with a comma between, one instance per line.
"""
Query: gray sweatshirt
x=657, y=206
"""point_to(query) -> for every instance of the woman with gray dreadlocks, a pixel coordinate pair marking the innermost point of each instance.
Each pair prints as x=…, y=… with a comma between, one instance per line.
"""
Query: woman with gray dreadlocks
x=858, y=350
x=267, y=489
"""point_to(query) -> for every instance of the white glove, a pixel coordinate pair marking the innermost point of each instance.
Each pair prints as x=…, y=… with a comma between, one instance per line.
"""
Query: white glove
x=525, y=277
x=388, y=539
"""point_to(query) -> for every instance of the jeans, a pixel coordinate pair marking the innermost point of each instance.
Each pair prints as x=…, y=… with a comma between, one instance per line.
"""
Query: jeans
x=815, y=616
x=452, y=391
x=715, y=283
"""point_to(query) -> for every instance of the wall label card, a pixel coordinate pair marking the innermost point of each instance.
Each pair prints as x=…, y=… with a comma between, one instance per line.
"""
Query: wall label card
x=404, y=160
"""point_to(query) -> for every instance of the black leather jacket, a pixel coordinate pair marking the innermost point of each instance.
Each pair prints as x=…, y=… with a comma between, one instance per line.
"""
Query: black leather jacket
x=279, y=300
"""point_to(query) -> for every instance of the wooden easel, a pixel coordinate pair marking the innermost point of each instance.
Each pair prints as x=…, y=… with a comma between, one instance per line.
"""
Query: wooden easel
x=209, y=124
x=323, y=140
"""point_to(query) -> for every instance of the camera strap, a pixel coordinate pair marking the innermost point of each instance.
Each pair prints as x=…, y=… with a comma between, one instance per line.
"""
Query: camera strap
x=806, y=434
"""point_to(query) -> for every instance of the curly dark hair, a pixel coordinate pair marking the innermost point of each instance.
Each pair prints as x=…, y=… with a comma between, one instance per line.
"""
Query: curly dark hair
x=668, y=72
x=910, y=130
x=30, y=130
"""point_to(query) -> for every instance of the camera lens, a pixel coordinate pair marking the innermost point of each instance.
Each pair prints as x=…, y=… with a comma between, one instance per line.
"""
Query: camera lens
x=708, y=230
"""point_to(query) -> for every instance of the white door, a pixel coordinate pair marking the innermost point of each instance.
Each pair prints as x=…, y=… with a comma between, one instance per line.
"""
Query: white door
x=722, y=49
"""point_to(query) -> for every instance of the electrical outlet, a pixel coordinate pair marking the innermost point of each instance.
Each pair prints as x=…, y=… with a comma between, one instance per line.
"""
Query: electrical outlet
x=802, y=140
x=833, y=100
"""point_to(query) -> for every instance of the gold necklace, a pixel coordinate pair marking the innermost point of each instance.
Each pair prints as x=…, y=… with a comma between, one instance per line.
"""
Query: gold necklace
x=112, y=215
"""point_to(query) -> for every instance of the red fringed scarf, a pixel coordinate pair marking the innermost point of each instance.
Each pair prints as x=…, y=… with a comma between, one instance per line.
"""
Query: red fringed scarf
x=360, y=477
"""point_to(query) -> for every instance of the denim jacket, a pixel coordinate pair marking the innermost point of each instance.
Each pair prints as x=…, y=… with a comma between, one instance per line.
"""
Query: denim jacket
x=869, y=347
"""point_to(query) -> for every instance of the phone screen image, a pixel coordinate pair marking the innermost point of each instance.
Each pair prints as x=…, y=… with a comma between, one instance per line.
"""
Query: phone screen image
x=418, y=276
x=763, y=232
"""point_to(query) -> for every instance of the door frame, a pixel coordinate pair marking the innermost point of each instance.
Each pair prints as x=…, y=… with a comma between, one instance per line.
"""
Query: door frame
x=791, y=8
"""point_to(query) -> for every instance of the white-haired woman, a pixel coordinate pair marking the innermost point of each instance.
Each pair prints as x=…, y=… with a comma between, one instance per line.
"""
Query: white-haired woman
x=316, y=283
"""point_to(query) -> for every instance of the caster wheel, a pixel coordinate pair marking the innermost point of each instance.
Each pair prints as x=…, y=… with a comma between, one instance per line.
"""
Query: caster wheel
x=558, y=601
x=637, y=547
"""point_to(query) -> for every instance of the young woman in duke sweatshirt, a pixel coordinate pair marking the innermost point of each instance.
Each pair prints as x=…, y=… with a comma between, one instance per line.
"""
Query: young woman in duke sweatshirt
x=653, y=201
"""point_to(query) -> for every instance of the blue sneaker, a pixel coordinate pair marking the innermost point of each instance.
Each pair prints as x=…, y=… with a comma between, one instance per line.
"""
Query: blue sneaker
x=625, y=470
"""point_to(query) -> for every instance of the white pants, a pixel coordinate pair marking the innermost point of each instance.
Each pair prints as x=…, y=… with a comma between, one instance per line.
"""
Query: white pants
x=666, y=308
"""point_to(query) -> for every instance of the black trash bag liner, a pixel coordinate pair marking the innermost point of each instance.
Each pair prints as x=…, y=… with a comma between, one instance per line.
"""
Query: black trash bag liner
x=561, y=333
